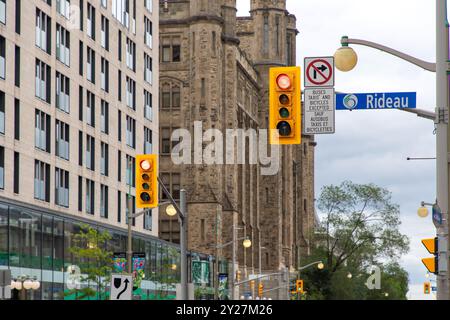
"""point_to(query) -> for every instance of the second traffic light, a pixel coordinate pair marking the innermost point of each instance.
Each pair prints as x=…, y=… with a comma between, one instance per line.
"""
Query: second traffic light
x=432, y=264
x=147, y=181
x=299, y=286
x=260, y=290
x=285, y=116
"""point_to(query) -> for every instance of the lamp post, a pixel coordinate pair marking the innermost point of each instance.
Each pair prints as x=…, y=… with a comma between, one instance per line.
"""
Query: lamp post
x=246, y=243
x=182, y=212
x=346, y=60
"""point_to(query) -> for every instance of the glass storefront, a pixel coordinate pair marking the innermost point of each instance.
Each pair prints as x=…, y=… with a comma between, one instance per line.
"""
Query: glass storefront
x=37, y=244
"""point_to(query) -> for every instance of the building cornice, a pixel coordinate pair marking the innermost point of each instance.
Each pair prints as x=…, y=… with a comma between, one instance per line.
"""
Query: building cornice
x=192, y=20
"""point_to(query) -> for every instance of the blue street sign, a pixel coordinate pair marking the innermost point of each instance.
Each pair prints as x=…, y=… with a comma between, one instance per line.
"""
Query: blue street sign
x=437, y=216
x=376, y=101
x=434, y=289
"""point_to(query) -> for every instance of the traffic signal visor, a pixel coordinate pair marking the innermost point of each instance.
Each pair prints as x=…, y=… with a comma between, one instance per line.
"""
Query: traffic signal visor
x=146, y=181
x=285, y=117
x=430, y=244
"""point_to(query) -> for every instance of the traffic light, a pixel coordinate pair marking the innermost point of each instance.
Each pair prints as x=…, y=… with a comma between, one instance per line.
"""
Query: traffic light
x=299, y=286
x=285, y=114
x=260, y=290
x=427, y=288
x=147, y=181
x=252, y=285
x=431, y=263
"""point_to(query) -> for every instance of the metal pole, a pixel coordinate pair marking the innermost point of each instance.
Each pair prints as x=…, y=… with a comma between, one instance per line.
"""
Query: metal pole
x=183, y=245
x=130, y=221
x=233, y=267
x=442, y=128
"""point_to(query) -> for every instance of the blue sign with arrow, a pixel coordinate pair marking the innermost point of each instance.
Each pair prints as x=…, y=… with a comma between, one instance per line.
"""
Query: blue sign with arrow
x=376, y=101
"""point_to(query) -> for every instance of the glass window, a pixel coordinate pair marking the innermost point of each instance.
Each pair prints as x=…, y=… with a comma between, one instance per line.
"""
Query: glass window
x=3, y=235
x=3, y=11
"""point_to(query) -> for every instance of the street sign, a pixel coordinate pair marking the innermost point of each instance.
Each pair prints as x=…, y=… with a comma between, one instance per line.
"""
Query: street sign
x=437, y=216
x=5, y=293
x=319, y=111
x=376, y=101
x=319, y=72
x=121, y=287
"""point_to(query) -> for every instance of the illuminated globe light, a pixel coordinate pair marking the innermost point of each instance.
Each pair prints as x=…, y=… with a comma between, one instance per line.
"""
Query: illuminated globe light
x=386, y=294
x=28, y=284
x=18, y=285
x=349, y=276
x=36, y=285
x=171, y=211
x=174, y=267
x=247, y=243
x=320, y=266
x=13, y=284
x=345, y=58
x=146, y=165
x=283, y=82
x=423, y=212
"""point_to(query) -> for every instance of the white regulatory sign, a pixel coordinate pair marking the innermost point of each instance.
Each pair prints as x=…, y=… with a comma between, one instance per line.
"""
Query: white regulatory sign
x=121, y=287
x=319, y=72
x=319, y=111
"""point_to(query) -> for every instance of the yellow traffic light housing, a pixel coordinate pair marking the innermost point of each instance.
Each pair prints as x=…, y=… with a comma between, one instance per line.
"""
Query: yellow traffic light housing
x=299, y=286
x=285, y=115
x=260, y=290
x=147, y=181
x=431, y=263
x=427, y=288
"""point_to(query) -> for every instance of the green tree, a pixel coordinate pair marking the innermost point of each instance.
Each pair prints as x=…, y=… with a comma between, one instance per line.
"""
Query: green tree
x=95, y=261
x=360, y=228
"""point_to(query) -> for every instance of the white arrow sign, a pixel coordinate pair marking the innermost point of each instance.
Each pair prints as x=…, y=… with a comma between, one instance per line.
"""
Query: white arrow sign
x=121, y=287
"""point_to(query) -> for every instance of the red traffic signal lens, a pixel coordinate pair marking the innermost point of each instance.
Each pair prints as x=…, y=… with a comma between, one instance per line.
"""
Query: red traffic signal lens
x=146, y=165
x=284, y=82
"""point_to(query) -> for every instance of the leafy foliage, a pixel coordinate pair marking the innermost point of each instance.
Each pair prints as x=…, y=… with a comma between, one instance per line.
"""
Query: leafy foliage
x=360, y=229
x=95, y=262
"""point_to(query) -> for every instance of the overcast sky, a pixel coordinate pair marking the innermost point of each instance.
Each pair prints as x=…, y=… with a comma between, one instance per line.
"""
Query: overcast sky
x=372, y=146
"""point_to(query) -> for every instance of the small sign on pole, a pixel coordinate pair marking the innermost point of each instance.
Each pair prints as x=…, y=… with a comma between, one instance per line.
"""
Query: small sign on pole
x=319, y=111
x=121, y=287
x=319, y=72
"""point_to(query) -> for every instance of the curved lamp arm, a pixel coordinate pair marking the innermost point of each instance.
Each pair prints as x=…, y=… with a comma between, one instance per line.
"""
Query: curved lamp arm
x=309, y=265
x=345, y=41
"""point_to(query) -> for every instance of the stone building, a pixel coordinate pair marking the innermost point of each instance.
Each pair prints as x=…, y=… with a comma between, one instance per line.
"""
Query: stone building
x=214, y=68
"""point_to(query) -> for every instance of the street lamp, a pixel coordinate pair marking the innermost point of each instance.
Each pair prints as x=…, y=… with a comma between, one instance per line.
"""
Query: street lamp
x=345, y=58
x=247, y=243
x=171, y=211
x=320, y=266
x=349, y=275
x=423, y=212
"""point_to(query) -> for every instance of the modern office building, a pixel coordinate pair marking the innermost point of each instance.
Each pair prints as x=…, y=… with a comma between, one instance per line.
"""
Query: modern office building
x=78, y=101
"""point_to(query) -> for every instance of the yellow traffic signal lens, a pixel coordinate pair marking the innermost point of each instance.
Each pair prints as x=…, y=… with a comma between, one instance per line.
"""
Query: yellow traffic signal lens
x=284, y=129
x=145, y=177
x=284, y=82
x=146, y=165
x=284, y=113
x=284, y=99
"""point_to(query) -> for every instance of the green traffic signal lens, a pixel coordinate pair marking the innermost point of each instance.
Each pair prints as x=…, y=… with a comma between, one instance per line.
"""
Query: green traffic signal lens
x=145, y=197
x=146, y=186
x=284, y=99
x=145, y=177
x=284, y=129
x=284, y=113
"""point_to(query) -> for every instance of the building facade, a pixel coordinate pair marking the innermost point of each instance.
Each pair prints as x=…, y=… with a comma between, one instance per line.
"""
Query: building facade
x=214, y=69
x=78, y=90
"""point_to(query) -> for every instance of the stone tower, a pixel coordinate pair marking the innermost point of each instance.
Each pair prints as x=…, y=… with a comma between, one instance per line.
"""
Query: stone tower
x=221, y=82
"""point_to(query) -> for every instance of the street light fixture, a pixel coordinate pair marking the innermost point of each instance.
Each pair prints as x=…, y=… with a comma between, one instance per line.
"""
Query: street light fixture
x=345, y=58
x=349, y=275
x=423, y=212
x=171, y=210
x=247, y=243
x=320, y=266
